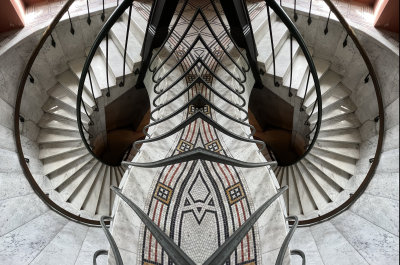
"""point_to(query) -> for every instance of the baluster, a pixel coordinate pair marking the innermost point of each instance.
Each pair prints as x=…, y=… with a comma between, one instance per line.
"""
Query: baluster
x=327, y=22
x=88, y=20
x=309, y=116
x=87, y=114
x=31, y=79
x=53, y=43
x=272, y=46
x=291, y=65
x=309, y=20
x=102, y=14
x=305, y=92
x=294, y=12
x=70, y=22
x=126, y=45
x=91, y=88
x=108, y=83
x=345, y=41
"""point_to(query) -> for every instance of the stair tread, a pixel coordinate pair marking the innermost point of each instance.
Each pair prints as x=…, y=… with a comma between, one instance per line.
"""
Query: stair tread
x=344, y=149
x=294, y=203
x=328, y=81
x=52, y=164
x=259, y=24
x=300, y=67
x=282, y=59
x=103, y=206
x=347, y=135
x=321, y=67
x=115, y=59
x=94, y=193
x=51, y=121
x=52, y=135
x=54, y=149
x=347, y=121
x=98, y=67
x=133, y=48
x=138, y=23
x=338, y=93
x=340, y=108
x=71, y=82
x=279, y=34
x=306, y=200
x=341, y=163
x=77, y=67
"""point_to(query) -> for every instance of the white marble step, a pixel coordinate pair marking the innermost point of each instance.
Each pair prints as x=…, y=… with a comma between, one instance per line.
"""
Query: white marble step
x=334, y=95
x=94, y=193
x=328, y=81
x=307, y=202
x=55, y=108
x=65, y=98
x=82, y=190
x=138, y=23
x=54, y=149
x=115, y=59
x=318, y=194
x=76, y=67
x=114, y=182
x=344, y=149
x=282, y=59
x=348, y=121
x=338, y=163
x=260, y=24
x=328, y=185
x=98, y=67
x=56, y=136
x=285, y=181
x=340, y=108
x=118, y=33
x=50, y=121
x=67, y=182
x=103, y=206
x=340, y=136
x=279, y=35
x=321, y=67
x=295, y=207
x=56, y=162
x=300, y=67
x=69, y=81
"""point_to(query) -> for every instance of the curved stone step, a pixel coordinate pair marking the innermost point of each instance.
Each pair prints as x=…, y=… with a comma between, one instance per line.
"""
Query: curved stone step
x=54, y=149
x=58, y=162
x=50, y=121
x=76, y=67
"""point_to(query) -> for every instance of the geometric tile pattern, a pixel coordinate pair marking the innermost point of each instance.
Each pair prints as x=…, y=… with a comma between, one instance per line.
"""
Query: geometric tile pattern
x=163, y=193
x=235, y=193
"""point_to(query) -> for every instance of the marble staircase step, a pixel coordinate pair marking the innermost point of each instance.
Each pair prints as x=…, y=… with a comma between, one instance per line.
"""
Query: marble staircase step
x=115, y=59
x=321, y=67
x=350, y=150
x=98, y=67
x=70, y=82
x=320, y=197
x=50, y=121
x=341, y=136
x=56, y=136
x=334, y=95
x=285, y=181
x=260, y=24
x=54, y=149
x=76, y=67
x=279, y=35
x=54, y=107
x=103, y=204
x=138, y=24
x=341, y=164
x=56, y=162
x=338, y=109
x=118, y=33
x=282, y=60
x=94, y=192
x=347, y=121
x=305, y=197
x=295, y=207
x=65, y=97
x=327, y=82
x=300, y=67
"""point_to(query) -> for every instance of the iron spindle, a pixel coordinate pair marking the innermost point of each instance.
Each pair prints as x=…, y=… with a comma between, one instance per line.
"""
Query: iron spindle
x=88, y=20
x=122, y=83
x=309, y=20
x=272, y=46
x=327, y=22
x=53, y=42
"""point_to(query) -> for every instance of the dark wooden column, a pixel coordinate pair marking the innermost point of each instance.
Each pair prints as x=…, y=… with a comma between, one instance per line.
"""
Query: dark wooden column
x=161, y=14
x=239, y=21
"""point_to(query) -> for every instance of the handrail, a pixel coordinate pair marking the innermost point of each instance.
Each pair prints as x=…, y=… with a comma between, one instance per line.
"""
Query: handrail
x=199, y=153
x=111, y=241
x=17, y=132
x=286, y=241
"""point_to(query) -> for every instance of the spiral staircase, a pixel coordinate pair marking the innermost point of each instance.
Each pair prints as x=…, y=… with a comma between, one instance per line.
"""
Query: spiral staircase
x=320, y=184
